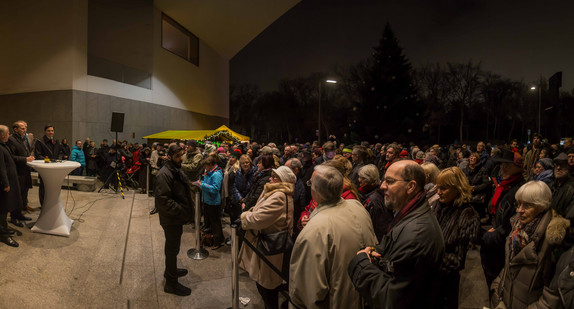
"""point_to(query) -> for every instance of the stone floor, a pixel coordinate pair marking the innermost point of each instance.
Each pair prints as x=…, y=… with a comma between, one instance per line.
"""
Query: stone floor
x=114, y=259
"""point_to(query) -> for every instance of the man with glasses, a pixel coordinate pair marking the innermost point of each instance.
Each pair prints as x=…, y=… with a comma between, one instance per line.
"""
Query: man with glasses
x=400, y=272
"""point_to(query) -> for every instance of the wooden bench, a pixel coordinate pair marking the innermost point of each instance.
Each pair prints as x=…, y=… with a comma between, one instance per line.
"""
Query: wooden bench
x=82, y=183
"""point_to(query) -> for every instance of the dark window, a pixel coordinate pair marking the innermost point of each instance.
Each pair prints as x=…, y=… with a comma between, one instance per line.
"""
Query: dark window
x=179, y=40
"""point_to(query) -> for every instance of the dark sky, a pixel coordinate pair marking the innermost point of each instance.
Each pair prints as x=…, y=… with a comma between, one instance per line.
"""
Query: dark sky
x=516, y=39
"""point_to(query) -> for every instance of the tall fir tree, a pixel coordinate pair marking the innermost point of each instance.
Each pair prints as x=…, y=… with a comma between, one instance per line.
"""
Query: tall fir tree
x=389, y=107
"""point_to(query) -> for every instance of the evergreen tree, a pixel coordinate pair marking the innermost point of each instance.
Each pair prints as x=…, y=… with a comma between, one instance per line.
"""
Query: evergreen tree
x=389, y=107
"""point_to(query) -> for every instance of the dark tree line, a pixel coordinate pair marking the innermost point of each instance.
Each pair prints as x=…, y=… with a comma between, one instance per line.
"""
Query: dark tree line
x=384, y=99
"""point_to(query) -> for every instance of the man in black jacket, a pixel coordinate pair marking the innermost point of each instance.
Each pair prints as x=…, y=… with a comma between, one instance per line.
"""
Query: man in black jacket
x=21, y=155
x=401, y=271
x=49, y=147
x=173, y=202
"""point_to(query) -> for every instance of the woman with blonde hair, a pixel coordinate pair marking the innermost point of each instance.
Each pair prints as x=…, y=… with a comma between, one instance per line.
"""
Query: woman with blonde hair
x=460, y=224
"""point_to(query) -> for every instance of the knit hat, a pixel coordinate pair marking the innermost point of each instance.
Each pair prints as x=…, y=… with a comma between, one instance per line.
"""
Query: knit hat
x=561, y=158
x=404, y=154
x=546, y=163
x=285, y=174
x=209, y=148
x=220, y=150
x=347, y=150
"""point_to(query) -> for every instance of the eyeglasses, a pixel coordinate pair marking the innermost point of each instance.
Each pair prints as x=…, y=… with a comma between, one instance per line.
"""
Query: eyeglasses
x=525, y=206
x=391, y=181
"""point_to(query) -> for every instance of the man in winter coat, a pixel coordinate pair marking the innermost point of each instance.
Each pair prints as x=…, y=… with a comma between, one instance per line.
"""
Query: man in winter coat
x=191, y=165
x=563, y=194
x=21, y=155
x=502, y=207
x=337, y=228
x=10, y=199
x=401, y=271
x=173, y=201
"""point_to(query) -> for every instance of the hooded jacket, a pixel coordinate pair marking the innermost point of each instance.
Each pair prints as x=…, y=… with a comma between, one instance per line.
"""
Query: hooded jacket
x=211, y=186
x=78, y=155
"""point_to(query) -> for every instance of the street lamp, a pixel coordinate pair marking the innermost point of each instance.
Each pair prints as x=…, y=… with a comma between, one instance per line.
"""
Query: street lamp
x=328, y=81
x=539, y=103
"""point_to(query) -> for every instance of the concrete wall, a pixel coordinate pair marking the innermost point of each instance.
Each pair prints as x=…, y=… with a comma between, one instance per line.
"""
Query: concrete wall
x=43, y=78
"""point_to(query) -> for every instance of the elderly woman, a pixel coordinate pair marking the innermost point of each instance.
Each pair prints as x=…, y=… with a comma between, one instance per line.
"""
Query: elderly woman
x=431, y=171
x=368, y=181
x=544, y=170
x=272, y=213
x=460, y=224
x=529, y=266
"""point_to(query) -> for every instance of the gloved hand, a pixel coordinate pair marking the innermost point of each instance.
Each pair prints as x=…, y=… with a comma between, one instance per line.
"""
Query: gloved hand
x=236, y=222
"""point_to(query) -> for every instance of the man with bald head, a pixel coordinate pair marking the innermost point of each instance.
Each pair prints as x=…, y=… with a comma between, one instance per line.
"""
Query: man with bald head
x=401, y=271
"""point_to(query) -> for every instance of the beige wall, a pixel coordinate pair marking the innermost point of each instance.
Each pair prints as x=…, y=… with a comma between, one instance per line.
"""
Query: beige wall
x=37, y=42
x=44, y=47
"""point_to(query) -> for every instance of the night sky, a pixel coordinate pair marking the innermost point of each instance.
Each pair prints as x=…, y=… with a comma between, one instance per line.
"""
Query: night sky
x=520, y=40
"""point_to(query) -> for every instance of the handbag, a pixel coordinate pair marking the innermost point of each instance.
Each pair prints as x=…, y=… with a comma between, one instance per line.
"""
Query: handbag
x=277, y=242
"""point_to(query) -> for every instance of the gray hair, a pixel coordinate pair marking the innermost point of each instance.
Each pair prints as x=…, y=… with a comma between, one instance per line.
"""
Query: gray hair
x=3, y=129
x=370, y=174
x=295, y=164
x=535, y=192
x=327, y=182
x=431, y=171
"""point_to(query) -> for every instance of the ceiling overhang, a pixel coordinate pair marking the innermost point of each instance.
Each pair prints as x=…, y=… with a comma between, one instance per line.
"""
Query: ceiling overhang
x=225, y=25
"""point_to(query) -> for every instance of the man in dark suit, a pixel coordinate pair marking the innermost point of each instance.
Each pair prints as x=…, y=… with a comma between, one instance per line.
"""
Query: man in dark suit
x=10, y=199
x=21, y=155
x=49, y=147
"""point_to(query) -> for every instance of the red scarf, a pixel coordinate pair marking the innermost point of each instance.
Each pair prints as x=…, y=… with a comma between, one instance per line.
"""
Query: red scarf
x=412, y=205
x=505, y=185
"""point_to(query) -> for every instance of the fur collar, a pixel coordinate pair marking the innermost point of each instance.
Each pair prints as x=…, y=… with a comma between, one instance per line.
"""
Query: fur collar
x=271, y=188
x=556, y=230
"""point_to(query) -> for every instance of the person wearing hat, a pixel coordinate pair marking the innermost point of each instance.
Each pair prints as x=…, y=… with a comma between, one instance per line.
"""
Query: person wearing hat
x=502, y=208
x=532, y=156
x=191, y=165
x=347, y=153
x=544, y=170
x=562, y=188
x=272, y=213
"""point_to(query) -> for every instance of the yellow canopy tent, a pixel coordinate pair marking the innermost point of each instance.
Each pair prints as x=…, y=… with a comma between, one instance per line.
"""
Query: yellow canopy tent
x=222, y=133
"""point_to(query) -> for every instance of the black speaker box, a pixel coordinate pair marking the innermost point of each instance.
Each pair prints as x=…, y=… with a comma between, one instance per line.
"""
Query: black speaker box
x=117, y=122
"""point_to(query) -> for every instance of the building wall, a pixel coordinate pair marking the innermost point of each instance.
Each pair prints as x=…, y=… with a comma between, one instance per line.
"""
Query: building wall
x=43, y=78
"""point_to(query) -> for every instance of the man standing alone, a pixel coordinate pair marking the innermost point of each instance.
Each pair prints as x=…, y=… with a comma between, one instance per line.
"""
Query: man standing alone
x=49, y=147
x=173, y=202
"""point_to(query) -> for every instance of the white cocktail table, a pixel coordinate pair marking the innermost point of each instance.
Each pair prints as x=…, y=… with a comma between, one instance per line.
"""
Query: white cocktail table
x=53, y=219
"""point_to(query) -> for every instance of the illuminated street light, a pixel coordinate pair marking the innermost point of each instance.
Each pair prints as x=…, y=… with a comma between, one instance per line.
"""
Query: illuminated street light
x=329, y=81
x=539, y=102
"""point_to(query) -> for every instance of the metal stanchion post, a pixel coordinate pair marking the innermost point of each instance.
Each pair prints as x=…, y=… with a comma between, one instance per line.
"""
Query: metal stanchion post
x=234, y=267
x=197, y=253
x=147, y=176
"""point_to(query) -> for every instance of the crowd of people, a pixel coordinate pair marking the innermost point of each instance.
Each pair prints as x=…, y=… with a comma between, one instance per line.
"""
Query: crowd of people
x=390, y=225
x=376, y=225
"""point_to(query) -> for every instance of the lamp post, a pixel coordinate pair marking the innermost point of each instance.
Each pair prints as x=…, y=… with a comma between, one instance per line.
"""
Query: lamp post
x=329, y=81
x=539, y=103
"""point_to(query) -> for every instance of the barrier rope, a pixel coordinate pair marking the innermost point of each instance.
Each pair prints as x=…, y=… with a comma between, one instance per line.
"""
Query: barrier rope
x=260, y=254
